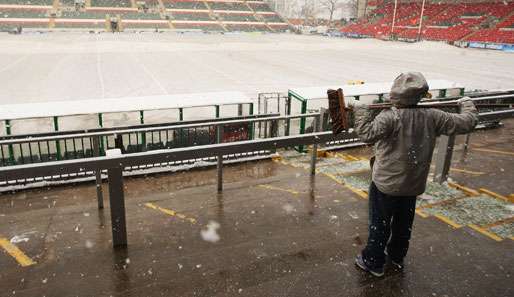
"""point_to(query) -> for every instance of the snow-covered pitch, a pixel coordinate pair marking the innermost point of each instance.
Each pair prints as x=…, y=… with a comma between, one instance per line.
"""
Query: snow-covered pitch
x=78, y=65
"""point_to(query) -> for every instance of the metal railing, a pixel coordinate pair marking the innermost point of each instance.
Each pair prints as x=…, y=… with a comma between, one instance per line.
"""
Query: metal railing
x=115, y=165
x=52, y=148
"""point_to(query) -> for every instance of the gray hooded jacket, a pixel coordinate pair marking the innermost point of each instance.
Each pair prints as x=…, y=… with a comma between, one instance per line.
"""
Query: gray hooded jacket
x=405, y=137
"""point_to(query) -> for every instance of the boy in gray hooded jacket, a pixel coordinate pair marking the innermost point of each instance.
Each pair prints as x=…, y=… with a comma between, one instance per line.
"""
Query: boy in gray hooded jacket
x=404, y=139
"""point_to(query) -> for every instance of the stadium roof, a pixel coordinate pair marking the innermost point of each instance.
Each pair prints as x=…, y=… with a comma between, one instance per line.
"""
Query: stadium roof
x=125, y=104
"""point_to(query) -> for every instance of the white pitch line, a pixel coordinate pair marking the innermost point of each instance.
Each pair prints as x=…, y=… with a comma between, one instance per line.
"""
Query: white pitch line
x=98, y=69
x=150, y=74
x=17, y=61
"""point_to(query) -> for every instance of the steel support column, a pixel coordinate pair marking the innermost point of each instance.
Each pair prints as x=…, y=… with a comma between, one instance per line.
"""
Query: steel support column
x=314, y=153
x=443, y=158
x=219, y=139
x=117, y=206
x=98, y=174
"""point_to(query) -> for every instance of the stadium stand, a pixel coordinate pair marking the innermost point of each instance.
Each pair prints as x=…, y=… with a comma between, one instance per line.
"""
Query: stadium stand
x=111, y=3
x=263, y=7
x=486, y=21
x=134, y=15
x=27, y=2
x=198, y=26
x=96, y=15
x=23, y=13
x=191, y=16
x=163, y=14
x=231, y=17
x=197, y=5
x=235, y=6
x=273, y=18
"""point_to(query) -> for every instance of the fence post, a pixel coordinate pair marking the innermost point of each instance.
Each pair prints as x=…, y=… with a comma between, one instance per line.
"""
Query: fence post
x=117, y=206
x=443, y=158
x=314, y=153
x=219, y=138
x=98, y=174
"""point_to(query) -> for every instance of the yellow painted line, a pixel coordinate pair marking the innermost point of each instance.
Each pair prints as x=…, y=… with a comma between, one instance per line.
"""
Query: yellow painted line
x=494, y=151
x=170, y=212
x=422, y=214
x=498, y=223
x=276, y=158
x=448, y=221
x=485, y=232
x=16, y=253
x=443, y=202
x=270, y=187
x=353, y=172
x=493, y=194
x=467, y=171
x=359, y=192
x=464, y=189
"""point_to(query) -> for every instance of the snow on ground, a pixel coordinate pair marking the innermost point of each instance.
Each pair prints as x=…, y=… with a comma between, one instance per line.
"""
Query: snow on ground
x=78, y=65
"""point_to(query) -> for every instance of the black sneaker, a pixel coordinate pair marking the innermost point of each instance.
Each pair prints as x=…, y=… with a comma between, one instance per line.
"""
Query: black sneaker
x=397, y=265
x=378, y=272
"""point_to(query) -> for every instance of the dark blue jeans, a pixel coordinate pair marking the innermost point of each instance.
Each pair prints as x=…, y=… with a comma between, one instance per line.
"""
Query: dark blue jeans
x=390, y=226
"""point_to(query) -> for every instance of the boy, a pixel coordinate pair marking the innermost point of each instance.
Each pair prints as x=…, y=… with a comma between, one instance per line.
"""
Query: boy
x=404, y=139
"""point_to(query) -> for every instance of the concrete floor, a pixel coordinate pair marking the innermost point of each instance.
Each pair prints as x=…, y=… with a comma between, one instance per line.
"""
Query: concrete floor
x=282, y=233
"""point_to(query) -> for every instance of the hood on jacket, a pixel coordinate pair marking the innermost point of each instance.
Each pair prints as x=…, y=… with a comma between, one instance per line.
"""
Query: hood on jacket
x=408, y=89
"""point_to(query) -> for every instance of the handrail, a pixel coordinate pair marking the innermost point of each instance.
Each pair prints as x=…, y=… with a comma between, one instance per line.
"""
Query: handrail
x=162, y=156
x=119, y=128
x=153, y=129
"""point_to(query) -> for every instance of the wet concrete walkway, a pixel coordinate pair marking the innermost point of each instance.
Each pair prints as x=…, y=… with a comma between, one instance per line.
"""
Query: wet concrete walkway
x=281, y=233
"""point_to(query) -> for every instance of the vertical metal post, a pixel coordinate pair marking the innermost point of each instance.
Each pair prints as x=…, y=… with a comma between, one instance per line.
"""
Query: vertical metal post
x=251, y=125
x=394, y=16
x=117, y=206
x=57, y=144
x=314, y=153
x=98, y=174
x=10, y=146
x=217, y=110
x=466, y=142
x=101, y=124
x=302, y=122
x=240, y=109
x=442, y=93
x=143, y=134
x=288, y=112
x=181, y=114
x=219, y=138
x=443, y=158
x=421, y=20
x=324, y=118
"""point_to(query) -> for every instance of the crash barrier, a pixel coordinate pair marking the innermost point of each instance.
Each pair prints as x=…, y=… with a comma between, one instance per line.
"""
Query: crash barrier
x=57, y=146
x=445, y=144
x=33, y=150
x=115, y=165
x=74, y=144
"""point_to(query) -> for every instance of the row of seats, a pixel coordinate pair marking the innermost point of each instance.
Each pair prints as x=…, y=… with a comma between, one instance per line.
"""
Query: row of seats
x=441, y=21
x=27, y=2
x=111, y=3
x=183, y=10
x=237, y=18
